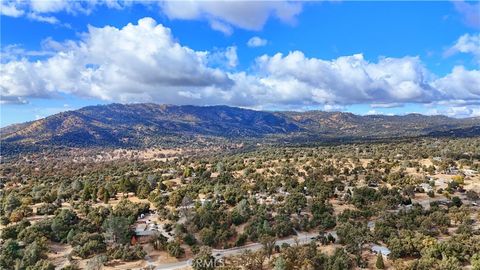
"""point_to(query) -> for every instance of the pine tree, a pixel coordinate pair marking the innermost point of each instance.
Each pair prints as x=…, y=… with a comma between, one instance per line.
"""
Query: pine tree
x=380, y=264
x=106, y=196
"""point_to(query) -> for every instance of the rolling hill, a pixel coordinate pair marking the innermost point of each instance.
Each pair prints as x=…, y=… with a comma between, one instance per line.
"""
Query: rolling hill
x=138, y=125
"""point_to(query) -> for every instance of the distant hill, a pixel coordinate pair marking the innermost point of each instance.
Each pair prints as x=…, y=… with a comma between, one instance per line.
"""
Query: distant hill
x=138, y=125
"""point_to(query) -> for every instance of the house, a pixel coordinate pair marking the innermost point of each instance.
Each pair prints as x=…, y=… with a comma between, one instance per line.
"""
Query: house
x=424, y=187
x=469, y=172
x=145, y=228
x=380, y=249
x=452, y=170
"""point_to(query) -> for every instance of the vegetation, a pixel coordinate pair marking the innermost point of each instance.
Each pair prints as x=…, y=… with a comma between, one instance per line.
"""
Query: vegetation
x=416, y=199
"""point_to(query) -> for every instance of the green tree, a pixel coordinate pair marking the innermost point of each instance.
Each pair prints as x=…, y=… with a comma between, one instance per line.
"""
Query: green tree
x=268, y=243
x=9, y=253
x=62, y=223
x=175, y=250
x=159, y=241
x=379, y=264
x=280, y=263
x=207, y=236
x=117, y=229
x=87, y=192
x=475, y=261
x=11, y=203
x=34, y=252
x=42, y=265
x=106, y=196
x=204, y=259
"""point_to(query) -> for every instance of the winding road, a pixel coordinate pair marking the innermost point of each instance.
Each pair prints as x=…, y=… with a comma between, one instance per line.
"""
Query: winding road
x=301, y=238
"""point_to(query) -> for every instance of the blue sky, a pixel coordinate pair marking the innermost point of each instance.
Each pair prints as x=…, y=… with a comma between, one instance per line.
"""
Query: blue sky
x=363, y=57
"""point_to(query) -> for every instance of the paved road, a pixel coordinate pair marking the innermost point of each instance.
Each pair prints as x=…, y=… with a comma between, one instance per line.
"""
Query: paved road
x=301, y=238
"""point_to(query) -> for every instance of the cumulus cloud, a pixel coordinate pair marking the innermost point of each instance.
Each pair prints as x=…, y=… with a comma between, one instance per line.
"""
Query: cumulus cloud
x=222, y=15
x=10, y=9
x=36, y=9
x=346, y=80
x=144, y=62
x=256, y=42
x=456, y=111
x=466, y=44
x=135, y=63
x=460, y=84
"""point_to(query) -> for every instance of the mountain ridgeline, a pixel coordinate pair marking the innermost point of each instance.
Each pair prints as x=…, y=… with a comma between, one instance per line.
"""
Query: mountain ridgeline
x=140, y=125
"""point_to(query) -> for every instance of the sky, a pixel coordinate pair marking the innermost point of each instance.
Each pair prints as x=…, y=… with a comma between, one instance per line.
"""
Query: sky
x=373, y=57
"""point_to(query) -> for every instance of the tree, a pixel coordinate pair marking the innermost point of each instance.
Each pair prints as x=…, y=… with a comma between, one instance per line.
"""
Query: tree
x=379, y=263
x=204, y=259
x=339, y=260
x=62, y=223
x=295, y=202
x=207, y=236
x=353, y=235
x=96, y=263
x=175, y=250
x=11, y=203
x=106, y=196
x=159, y=241
x=42, y=265
x=87, y=192
x=456, y=201
x=268, y=243
x=9, y=252
x=449, y=263
x=187, y=172
x=475, y=261
x=117, y=229
x=252, y=260
x=280, y=263
x=34, y=252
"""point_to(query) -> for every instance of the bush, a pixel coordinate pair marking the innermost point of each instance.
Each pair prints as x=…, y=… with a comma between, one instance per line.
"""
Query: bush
x=189, y=239
x=175, y=250
x=42, y=265
x=126, y=253
x=47, y=209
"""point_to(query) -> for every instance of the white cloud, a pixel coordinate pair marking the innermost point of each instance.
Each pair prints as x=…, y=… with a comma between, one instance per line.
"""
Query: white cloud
x=256, y=42
x=346, y=80
x=135, y=63
x=231, y=55
x=250, y=15
x=10, y=9
x=333, y=107
x=221, y=15
x=41, y=18
x=460, y=84
x=386, y=105
x=43, y=10
x=373, y=112
x=222, y=27
x=456, y=111
x=466, y=44
x=143, y=62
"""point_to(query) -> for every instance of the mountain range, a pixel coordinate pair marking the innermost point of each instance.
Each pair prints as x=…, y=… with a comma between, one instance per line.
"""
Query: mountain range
x=147, y=124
